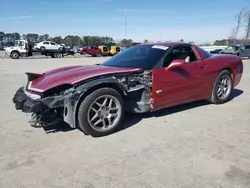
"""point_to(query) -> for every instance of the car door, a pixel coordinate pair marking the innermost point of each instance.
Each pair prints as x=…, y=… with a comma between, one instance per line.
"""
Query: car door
x=46, y=45
x=247, y=47
x=244, y=51
x=96, y=50
x=91, y=50
x=181, y=84
x=228, y=50
x=53, y=46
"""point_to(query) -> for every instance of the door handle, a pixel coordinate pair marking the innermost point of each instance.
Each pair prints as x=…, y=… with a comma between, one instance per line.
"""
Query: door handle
x=203, y=66
x=159, y=92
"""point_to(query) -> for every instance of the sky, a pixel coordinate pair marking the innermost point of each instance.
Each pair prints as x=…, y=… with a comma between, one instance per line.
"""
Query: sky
x=198, y=21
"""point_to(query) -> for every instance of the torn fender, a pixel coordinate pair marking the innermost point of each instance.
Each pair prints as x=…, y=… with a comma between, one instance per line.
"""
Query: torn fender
x=70, y=106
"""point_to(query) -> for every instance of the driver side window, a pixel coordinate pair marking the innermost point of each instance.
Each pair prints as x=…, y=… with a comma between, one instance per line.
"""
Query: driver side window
x=180, y=53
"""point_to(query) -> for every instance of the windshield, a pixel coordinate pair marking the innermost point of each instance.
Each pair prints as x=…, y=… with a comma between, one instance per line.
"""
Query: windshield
x=139, y=56
x=19, y=43
x=236, y=48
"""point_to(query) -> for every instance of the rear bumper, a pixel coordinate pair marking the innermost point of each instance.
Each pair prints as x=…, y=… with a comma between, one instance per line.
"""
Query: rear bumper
x=26, y=104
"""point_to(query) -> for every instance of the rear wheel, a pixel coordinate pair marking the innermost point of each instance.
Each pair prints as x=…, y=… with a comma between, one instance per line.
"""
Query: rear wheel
x=42, y=48
x=58, y=55
x=101, y=112
x=222, y=88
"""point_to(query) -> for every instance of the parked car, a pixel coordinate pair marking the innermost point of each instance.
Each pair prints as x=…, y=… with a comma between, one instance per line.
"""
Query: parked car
x=123, y=48
x=143, y=78
x=104, y=49
x=91, y=50
x=216, y=51
x=70, y=50
x=232, y=49
x=47, y=45
x=242, y=50
x=114, y=50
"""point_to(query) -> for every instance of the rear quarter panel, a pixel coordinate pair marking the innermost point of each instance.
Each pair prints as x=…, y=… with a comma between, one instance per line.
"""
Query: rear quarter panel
x=217, y=63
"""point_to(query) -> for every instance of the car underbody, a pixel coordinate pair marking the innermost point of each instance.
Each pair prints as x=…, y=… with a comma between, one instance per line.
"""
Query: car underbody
x=62, y=103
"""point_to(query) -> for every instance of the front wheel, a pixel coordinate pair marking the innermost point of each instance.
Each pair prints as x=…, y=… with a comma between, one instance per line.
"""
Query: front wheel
x=101, y=112
x=83, y=53
x=14, y=55
x=222, y=88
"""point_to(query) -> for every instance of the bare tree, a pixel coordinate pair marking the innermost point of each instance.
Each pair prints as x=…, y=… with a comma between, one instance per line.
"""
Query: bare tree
x=247, y=17
x=233, y=36
x=239, y=16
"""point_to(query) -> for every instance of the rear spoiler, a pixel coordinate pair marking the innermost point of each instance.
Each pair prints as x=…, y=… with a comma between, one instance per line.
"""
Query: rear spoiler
x=33, y=76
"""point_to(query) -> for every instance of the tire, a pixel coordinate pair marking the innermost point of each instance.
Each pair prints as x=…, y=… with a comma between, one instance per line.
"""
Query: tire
x=42, y=48
x=57, y=55
x=217, y=97
x=86, y=112
x=83, y=53
x=15, y=55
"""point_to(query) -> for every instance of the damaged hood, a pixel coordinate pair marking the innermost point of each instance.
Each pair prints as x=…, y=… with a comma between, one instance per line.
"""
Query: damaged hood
x=72, y=75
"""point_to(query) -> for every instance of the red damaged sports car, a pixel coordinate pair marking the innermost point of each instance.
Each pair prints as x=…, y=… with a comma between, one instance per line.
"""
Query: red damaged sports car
x=143, y=78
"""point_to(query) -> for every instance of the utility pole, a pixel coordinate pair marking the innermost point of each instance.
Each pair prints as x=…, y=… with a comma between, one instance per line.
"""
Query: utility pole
x=126, y=24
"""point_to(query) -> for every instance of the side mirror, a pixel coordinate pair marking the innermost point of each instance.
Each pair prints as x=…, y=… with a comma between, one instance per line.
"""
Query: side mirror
x=177, y=63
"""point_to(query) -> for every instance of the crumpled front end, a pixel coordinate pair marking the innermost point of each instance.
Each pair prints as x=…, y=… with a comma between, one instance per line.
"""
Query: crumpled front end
x=27, y=104
x=44, y=110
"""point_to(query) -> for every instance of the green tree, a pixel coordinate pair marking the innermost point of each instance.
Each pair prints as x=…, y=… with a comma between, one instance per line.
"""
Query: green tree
x=2, y=34
x=68, y=40
x=16, y=36
x=126, y=42
x=9, y=38
x=44, y=37
x=57, y=39
x=222, y=42
x=33, y=37
x=145, y=41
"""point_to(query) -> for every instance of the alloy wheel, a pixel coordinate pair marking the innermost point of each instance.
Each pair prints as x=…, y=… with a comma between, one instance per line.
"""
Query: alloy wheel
x=104, y=113
x=224, y=86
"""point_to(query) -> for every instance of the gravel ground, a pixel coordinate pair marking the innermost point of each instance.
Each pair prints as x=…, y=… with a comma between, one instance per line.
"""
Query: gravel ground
x=2, y=54
x=195, y=145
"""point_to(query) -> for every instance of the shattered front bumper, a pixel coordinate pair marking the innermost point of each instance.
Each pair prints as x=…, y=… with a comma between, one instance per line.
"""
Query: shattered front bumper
x=25, y=103
x=45, y=108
